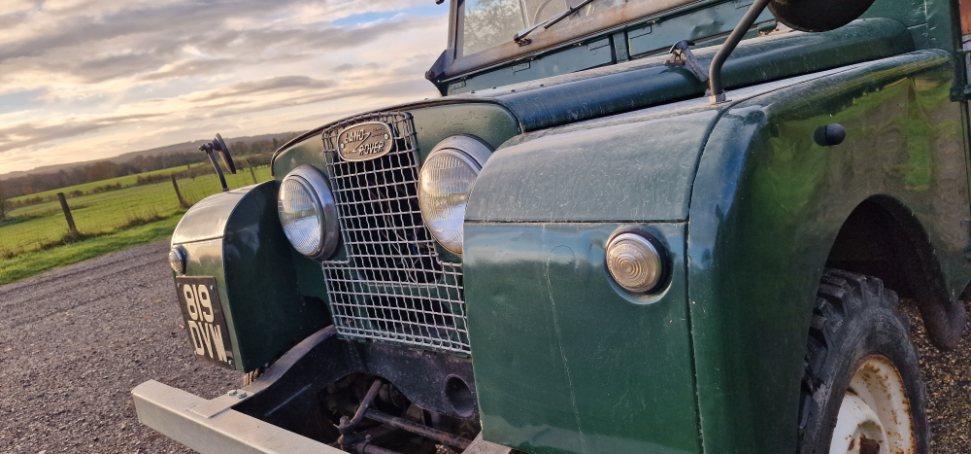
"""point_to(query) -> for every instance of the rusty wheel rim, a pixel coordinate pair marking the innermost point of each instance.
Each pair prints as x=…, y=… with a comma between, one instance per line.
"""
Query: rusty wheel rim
x=875, y=417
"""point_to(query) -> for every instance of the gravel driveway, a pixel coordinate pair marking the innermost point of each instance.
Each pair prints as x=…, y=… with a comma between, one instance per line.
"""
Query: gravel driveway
x=75, y=341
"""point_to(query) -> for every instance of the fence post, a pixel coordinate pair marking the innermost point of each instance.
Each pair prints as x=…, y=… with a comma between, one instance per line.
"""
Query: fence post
x=251, y=172
x=67, y=214
x=178, y=193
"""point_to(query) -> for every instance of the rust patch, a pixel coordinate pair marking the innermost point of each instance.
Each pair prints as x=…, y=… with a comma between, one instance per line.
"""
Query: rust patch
x=868, y=446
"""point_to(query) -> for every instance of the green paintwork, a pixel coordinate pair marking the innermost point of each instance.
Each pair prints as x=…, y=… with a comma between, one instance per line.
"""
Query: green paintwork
x=619, y=169
x=767, y=204
x=236, y=237
x=307, y=152
x=637, y=166
x=764, y=207
x=491, y=123
x=590, y=54
x=565, y=361
x=642, y=83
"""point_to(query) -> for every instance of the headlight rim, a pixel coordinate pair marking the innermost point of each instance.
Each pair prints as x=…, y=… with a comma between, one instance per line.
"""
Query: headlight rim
x=472, y=147
x=330, y=236
x=472, y=150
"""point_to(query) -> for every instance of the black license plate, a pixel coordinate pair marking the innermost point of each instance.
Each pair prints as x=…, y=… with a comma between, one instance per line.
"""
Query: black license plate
x=204, y=321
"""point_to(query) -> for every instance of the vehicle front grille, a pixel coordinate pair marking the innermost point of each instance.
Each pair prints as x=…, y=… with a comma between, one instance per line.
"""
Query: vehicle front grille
x=389, y=283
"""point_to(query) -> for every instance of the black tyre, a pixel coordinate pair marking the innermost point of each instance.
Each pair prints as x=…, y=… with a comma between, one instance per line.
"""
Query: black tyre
x=862, y=389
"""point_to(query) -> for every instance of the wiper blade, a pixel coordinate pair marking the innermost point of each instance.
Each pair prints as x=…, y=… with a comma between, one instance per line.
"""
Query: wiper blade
x=521, y=36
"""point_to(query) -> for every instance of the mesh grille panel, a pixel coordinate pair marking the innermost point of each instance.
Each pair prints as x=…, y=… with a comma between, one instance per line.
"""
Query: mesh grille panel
x=391, y=286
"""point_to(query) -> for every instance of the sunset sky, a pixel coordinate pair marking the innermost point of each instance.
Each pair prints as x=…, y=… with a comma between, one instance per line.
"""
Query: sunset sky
x=90, y=79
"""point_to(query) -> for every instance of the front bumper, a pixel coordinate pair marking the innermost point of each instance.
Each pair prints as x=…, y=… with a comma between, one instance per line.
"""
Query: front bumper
x=218, y=426
x=275, y=413
x=212, y=426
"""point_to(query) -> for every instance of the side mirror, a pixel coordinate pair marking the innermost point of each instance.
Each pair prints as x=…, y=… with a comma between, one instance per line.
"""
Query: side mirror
x=818, y=15
x=218, y=145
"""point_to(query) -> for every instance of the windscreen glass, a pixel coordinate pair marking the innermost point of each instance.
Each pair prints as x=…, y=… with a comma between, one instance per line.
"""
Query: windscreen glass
x=489, y=23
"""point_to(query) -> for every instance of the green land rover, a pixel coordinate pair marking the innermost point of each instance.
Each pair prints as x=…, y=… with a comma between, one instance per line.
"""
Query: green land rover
x=641, y=226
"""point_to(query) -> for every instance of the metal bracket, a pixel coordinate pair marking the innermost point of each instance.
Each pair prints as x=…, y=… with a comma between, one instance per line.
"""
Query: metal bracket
x=210, y=408
x=681, y=56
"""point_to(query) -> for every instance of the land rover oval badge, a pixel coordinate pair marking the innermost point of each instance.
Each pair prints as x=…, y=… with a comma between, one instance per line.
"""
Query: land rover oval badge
x=365, y=141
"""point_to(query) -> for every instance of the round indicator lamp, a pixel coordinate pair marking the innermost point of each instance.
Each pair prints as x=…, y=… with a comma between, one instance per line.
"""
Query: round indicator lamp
x=634, y=262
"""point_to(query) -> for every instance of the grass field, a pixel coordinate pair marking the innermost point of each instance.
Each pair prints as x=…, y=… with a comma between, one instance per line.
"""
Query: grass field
x=34, y=237
x=30, y=263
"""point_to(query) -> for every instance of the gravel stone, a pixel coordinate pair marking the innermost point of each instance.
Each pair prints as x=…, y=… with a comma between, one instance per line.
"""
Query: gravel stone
x=76, y=340
x=948, y=379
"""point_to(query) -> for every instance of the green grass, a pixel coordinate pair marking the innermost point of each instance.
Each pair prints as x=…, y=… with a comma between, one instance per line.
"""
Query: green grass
x=28, y=264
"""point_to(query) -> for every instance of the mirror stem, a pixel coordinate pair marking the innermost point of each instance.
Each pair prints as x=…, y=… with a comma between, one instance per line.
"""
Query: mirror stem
x=207, y=148
x=715, y=71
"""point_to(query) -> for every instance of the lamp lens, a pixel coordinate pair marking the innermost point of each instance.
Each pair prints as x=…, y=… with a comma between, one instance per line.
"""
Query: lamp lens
x=444, y=186
x=634, y=262
x=300, y=215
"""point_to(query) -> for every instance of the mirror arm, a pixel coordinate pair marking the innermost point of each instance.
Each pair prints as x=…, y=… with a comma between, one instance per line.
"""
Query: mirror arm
x=208, y=148
x=715, y=71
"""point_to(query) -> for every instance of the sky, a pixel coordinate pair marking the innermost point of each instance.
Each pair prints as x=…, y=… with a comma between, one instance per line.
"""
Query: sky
x=90, y=79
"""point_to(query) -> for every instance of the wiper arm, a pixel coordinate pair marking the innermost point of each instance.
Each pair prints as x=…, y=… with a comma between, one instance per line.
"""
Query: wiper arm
x=520, y=37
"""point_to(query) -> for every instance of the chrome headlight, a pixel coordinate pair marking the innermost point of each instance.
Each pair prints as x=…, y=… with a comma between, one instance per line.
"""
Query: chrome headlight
x=308, y=213
x=444, y=185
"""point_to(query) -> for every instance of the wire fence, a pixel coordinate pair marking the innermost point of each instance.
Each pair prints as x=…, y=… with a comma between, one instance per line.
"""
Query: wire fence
x=45, y=225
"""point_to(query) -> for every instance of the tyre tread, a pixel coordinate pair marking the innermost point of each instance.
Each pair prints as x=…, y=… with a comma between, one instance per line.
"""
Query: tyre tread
x=842, y=299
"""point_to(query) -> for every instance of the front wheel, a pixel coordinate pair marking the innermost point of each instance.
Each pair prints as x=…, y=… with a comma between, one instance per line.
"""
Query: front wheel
x=862, y=390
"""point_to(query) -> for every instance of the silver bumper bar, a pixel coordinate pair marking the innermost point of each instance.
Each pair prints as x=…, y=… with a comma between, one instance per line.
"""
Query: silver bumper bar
x=213, y=427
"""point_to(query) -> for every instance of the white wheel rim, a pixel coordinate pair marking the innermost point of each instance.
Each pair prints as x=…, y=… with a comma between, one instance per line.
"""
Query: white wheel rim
x=874, y=417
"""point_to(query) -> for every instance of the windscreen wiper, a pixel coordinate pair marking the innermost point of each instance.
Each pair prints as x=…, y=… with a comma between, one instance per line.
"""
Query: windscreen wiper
x=520, y=37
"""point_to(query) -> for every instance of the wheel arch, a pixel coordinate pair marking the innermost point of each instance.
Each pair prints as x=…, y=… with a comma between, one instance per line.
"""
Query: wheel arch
x=767, y=204
x=883, y=238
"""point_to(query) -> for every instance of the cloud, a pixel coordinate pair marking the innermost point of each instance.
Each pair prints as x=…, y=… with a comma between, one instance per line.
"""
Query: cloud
x=186, y=68
x=260, y=86
x=93, y=49
x=104, y=70
x=26, y=134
